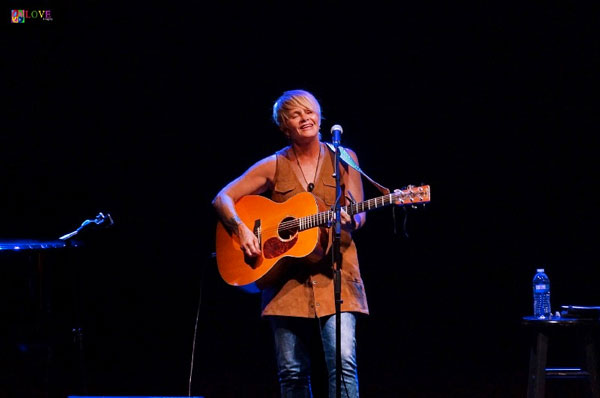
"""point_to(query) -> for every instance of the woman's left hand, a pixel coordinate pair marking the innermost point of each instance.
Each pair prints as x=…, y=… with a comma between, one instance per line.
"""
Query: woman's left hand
x=348, y=222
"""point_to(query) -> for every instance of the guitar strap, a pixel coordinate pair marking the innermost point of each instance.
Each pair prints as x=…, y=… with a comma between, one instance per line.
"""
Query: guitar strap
x=346, y=158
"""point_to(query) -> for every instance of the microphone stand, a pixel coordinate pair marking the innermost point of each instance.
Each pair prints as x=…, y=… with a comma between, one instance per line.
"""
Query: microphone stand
x=337, y=257
x=100, y=220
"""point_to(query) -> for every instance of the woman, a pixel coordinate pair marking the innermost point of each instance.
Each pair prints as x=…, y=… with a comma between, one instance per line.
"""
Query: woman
x=304, y=299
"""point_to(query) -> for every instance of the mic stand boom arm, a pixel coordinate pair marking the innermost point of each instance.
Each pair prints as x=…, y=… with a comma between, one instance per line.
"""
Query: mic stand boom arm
x=100, y=219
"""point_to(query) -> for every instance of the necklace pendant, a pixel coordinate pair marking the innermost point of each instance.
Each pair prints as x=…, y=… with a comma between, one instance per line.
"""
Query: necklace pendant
x=310, y=187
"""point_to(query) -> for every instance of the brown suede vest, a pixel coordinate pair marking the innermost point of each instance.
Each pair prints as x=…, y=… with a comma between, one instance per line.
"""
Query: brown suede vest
x=307, y=288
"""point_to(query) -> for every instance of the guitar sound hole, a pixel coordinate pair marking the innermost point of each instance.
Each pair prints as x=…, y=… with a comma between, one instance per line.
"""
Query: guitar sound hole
x=287, y=229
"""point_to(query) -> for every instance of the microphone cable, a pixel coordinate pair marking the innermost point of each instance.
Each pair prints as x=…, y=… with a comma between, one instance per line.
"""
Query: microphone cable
x=213, y=255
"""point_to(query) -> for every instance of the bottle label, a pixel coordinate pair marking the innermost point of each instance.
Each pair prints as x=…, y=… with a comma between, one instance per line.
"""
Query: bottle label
x=541, y=288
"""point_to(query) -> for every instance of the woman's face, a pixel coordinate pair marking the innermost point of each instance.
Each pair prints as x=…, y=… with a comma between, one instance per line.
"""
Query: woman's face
x=302, y=124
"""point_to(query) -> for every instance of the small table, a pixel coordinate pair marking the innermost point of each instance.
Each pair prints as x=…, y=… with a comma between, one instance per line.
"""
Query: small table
x=538, y=373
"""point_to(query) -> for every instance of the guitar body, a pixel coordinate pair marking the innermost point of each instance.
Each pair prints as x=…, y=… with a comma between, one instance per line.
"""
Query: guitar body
x=268, y=220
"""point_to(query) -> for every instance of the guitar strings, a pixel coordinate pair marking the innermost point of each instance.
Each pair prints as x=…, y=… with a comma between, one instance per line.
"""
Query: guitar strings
x=295, y=223
x=310, y=219
x=314, y=218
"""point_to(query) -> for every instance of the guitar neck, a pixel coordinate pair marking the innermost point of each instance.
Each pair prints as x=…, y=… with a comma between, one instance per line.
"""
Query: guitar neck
x=370, y=204
x=409, y=196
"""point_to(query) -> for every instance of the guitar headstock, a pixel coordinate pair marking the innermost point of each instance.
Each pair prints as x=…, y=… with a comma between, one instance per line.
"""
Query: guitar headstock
x=412, y=195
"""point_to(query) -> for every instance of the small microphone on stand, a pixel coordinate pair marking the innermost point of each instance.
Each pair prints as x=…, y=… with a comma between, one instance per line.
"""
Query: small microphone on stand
x=336, y=132
x=100, y=220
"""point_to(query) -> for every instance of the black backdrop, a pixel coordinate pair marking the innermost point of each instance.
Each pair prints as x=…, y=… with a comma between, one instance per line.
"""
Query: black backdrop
x=145, y=111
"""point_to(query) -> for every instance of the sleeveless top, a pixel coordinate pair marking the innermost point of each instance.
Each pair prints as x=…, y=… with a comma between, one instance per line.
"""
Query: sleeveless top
x=307, y=288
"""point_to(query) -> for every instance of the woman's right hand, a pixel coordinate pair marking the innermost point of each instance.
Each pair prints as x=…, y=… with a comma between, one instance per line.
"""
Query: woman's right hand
x=248, y=241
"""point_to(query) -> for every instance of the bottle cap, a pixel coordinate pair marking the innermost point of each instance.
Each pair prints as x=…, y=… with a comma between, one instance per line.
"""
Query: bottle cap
x=540, y=270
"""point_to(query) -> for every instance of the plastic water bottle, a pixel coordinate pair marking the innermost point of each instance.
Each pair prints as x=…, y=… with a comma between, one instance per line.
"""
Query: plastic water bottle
x=541, y=295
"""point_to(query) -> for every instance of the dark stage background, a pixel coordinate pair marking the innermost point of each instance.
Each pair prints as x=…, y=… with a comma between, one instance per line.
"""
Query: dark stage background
x=146, y=111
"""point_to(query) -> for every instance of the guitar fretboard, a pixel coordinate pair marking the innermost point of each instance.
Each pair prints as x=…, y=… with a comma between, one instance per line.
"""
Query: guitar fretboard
x=410, y=196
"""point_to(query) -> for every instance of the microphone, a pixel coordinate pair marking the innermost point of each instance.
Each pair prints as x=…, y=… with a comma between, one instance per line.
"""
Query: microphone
x=336, y=132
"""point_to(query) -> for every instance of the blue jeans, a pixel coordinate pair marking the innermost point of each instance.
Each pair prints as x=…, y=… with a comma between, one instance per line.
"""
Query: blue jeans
x=292, y=349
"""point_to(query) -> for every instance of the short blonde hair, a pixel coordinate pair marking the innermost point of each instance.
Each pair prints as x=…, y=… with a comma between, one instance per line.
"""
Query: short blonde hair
x=294, y=99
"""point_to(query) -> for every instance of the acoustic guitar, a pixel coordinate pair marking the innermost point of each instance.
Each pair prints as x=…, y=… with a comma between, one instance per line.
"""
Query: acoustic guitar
x=289, y=230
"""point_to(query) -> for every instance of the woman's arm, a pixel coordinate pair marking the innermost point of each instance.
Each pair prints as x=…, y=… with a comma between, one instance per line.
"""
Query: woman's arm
x=254, y=181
